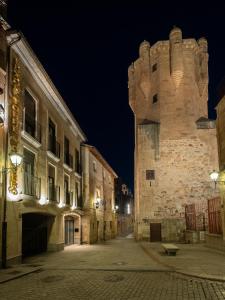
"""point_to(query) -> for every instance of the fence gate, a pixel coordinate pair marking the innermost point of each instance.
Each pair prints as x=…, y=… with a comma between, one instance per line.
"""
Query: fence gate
x=214, y=211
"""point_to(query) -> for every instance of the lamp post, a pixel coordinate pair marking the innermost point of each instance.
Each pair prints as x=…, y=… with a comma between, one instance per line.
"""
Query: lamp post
x=16, y=160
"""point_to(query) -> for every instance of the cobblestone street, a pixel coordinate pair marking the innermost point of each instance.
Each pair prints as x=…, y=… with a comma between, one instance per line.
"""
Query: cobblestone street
x=106, y=275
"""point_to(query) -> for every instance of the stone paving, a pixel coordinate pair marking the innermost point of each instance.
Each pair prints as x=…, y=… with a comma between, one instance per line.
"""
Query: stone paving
x=192, y=259
x=118, y=269
x=74, y=284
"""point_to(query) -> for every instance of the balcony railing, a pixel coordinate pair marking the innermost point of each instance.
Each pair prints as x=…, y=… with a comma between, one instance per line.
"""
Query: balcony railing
x=68, y=198
x=31, y=185
x=53, y=192
x=32, y=127
x=68, y=160
x=54, y=146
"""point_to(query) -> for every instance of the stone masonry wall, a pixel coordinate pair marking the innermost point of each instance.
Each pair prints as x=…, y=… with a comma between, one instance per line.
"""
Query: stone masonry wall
x=168, y=93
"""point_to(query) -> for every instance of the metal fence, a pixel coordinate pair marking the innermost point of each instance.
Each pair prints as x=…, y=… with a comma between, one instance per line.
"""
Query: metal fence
x=214, y=213
x=196, y=216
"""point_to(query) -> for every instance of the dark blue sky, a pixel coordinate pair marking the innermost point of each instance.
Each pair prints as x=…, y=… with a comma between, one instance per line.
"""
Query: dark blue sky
x=87, y=48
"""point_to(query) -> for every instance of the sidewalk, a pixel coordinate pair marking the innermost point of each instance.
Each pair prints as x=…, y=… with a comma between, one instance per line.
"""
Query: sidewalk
x=192, y=259
x=17, y=271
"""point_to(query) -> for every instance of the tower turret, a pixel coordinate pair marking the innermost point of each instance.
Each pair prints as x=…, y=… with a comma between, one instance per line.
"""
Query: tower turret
x=176, y=55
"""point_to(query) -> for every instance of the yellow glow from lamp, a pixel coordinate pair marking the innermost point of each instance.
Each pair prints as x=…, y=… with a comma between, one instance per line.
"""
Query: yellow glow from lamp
x=61, y=205
x=16, y=159
x=214, y=175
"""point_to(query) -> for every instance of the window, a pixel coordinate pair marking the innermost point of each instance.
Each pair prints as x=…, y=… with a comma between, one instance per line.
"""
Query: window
x=29, y=114
x=154, y=67
x=28, y=163
x=66, y=190
x=68, y=159
x=53, y=145
x=77, y=161
x=77, y=195
x=94, y=166
x=150, y=174
x=155, y=98
x=51, y=183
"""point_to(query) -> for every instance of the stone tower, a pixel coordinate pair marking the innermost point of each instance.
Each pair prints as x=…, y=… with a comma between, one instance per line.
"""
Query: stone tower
x=175, y=142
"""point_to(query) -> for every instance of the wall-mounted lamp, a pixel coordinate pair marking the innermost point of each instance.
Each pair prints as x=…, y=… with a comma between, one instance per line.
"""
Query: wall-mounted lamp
x=214, y=176
x=97, y=202
x=116, y=207
x=16, y=159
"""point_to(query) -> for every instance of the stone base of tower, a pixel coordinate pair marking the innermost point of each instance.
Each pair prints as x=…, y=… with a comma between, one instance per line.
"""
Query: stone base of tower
x=156, y=230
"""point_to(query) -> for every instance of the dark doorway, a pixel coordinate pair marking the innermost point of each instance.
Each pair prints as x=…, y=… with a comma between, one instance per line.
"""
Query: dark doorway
x=155, y=232
x=35, y=233
x=69, y=231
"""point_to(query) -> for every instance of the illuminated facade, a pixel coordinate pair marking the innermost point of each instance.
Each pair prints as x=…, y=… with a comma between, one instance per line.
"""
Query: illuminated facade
x=99, y=220
x=43, y=196
x=218, y=240
x=175, y=142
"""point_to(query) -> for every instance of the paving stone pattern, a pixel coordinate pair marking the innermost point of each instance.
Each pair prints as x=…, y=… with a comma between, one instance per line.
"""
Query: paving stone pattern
x=74, y=284
x=117, y=269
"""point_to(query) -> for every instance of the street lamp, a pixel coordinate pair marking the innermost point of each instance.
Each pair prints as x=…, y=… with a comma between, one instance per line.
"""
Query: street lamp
x=16, y=160
x=214, y=176
x=116, y=207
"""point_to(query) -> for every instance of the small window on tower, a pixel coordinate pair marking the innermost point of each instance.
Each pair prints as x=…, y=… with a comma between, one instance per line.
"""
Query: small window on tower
x=150, y=174
x=155, y=98
x=154, y=67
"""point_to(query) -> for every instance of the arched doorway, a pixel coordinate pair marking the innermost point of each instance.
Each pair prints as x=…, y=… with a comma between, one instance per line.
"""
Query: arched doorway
x=36, y=230
x=72, y=228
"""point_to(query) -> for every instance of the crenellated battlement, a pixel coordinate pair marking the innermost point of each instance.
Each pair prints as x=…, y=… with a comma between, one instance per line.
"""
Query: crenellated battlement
x=174, y=66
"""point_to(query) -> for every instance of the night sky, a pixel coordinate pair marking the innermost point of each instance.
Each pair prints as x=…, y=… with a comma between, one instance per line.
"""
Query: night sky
x=87, y=48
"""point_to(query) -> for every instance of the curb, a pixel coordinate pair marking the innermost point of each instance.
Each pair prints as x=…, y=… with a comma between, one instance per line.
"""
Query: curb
x=173, y=269
x=206, y=277
x=19, y=275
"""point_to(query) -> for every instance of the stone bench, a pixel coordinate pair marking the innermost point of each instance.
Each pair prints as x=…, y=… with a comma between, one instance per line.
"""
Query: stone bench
x=170, y=249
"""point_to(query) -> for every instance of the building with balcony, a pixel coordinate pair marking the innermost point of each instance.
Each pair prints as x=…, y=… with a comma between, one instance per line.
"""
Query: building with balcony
x=99, y=220
x=41, y=200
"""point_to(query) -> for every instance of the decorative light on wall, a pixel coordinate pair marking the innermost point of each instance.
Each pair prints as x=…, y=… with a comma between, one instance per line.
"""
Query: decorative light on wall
x=214, y=175
x=15, y=116
x=128, y=209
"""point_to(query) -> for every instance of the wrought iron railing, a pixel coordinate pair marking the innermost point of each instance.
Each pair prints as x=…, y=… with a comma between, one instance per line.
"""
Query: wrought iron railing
x=31, y=185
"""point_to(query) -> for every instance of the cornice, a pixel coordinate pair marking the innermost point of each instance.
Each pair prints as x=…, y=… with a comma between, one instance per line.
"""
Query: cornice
x=29, y=59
